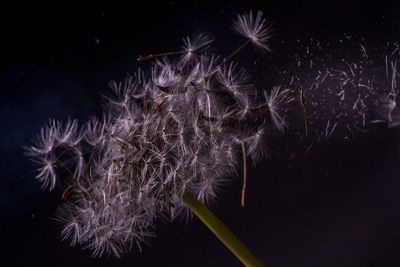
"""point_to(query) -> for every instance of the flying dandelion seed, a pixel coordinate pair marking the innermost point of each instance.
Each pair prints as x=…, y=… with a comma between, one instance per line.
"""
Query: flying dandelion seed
x=350, y=87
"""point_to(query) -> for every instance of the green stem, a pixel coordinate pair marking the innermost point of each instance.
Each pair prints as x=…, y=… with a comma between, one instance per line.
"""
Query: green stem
x=221, y=231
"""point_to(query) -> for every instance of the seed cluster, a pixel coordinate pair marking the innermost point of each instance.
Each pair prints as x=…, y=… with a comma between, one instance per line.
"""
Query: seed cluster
x=179, y=127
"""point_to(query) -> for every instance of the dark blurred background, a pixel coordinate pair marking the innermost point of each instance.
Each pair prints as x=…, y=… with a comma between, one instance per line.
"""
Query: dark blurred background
x=337, y=205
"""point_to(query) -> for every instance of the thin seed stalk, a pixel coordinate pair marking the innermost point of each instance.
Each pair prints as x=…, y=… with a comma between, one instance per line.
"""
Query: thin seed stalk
x=229, y=239
x=244, y=174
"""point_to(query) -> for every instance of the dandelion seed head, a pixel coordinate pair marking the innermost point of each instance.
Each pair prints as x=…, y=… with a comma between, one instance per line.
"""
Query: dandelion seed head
x=175, y=128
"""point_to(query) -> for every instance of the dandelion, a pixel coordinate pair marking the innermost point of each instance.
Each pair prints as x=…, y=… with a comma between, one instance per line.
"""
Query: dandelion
x=165, y=135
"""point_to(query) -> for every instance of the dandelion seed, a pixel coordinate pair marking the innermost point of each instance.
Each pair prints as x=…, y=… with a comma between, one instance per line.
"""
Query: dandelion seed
x=44, y=142
x=244, y=173
x=303, y=105
x=193, y=45
x=189, y=48
x=275, y=104
x=69, y=133
x=47, y=174
x=256, y=29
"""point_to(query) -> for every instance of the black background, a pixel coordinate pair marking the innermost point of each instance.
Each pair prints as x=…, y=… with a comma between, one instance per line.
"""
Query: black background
x=337, y=206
